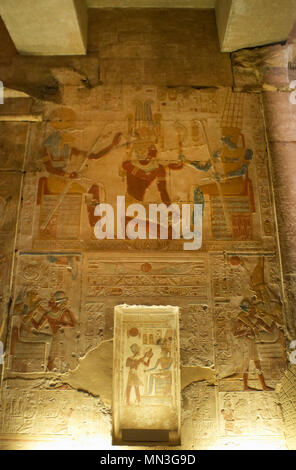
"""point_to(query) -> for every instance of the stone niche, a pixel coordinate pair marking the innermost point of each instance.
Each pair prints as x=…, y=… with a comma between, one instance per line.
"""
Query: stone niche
x=146, y=375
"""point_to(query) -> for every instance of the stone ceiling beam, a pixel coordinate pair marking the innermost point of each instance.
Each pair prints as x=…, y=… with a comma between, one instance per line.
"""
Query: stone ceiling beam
x=43, y=27
x=151, y=3
x=251, y=23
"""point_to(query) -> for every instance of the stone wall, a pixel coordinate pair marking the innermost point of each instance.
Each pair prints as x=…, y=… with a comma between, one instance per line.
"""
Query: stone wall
x=150, y=114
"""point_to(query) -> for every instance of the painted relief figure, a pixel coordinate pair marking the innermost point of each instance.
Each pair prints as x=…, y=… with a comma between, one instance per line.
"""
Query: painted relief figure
x=231, y=193
x=37, y=324
x=27, y=306
x=143, y=170
x=133, y=379
x=231, y=190
x=258, y=322
x=58, y=317
x=58, y=150
x=235, y=159
x=160, y=381
x=142, y=167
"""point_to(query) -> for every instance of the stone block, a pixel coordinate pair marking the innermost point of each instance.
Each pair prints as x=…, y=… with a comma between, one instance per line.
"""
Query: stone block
x=58, y=27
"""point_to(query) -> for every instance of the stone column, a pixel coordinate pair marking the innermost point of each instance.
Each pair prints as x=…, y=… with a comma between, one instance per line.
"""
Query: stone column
x=280, y=116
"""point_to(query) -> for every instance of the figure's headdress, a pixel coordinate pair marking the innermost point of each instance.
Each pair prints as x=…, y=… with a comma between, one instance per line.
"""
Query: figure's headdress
x=60, y=297
x=233, y=112
x=144, y=125
x=135, y=348
x=62, y=118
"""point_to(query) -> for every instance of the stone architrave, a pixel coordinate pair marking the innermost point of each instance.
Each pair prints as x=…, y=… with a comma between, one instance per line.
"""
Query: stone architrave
x=58, y=27
x=252, y=23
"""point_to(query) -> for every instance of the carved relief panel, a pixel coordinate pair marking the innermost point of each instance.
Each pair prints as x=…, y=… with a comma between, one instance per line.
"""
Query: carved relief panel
x=45, y=313
x=155, y=146
x=146, y=375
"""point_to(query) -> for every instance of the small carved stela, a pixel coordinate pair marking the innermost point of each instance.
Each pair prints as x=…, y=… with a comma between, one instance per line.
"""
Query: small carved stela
x=146, y=375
